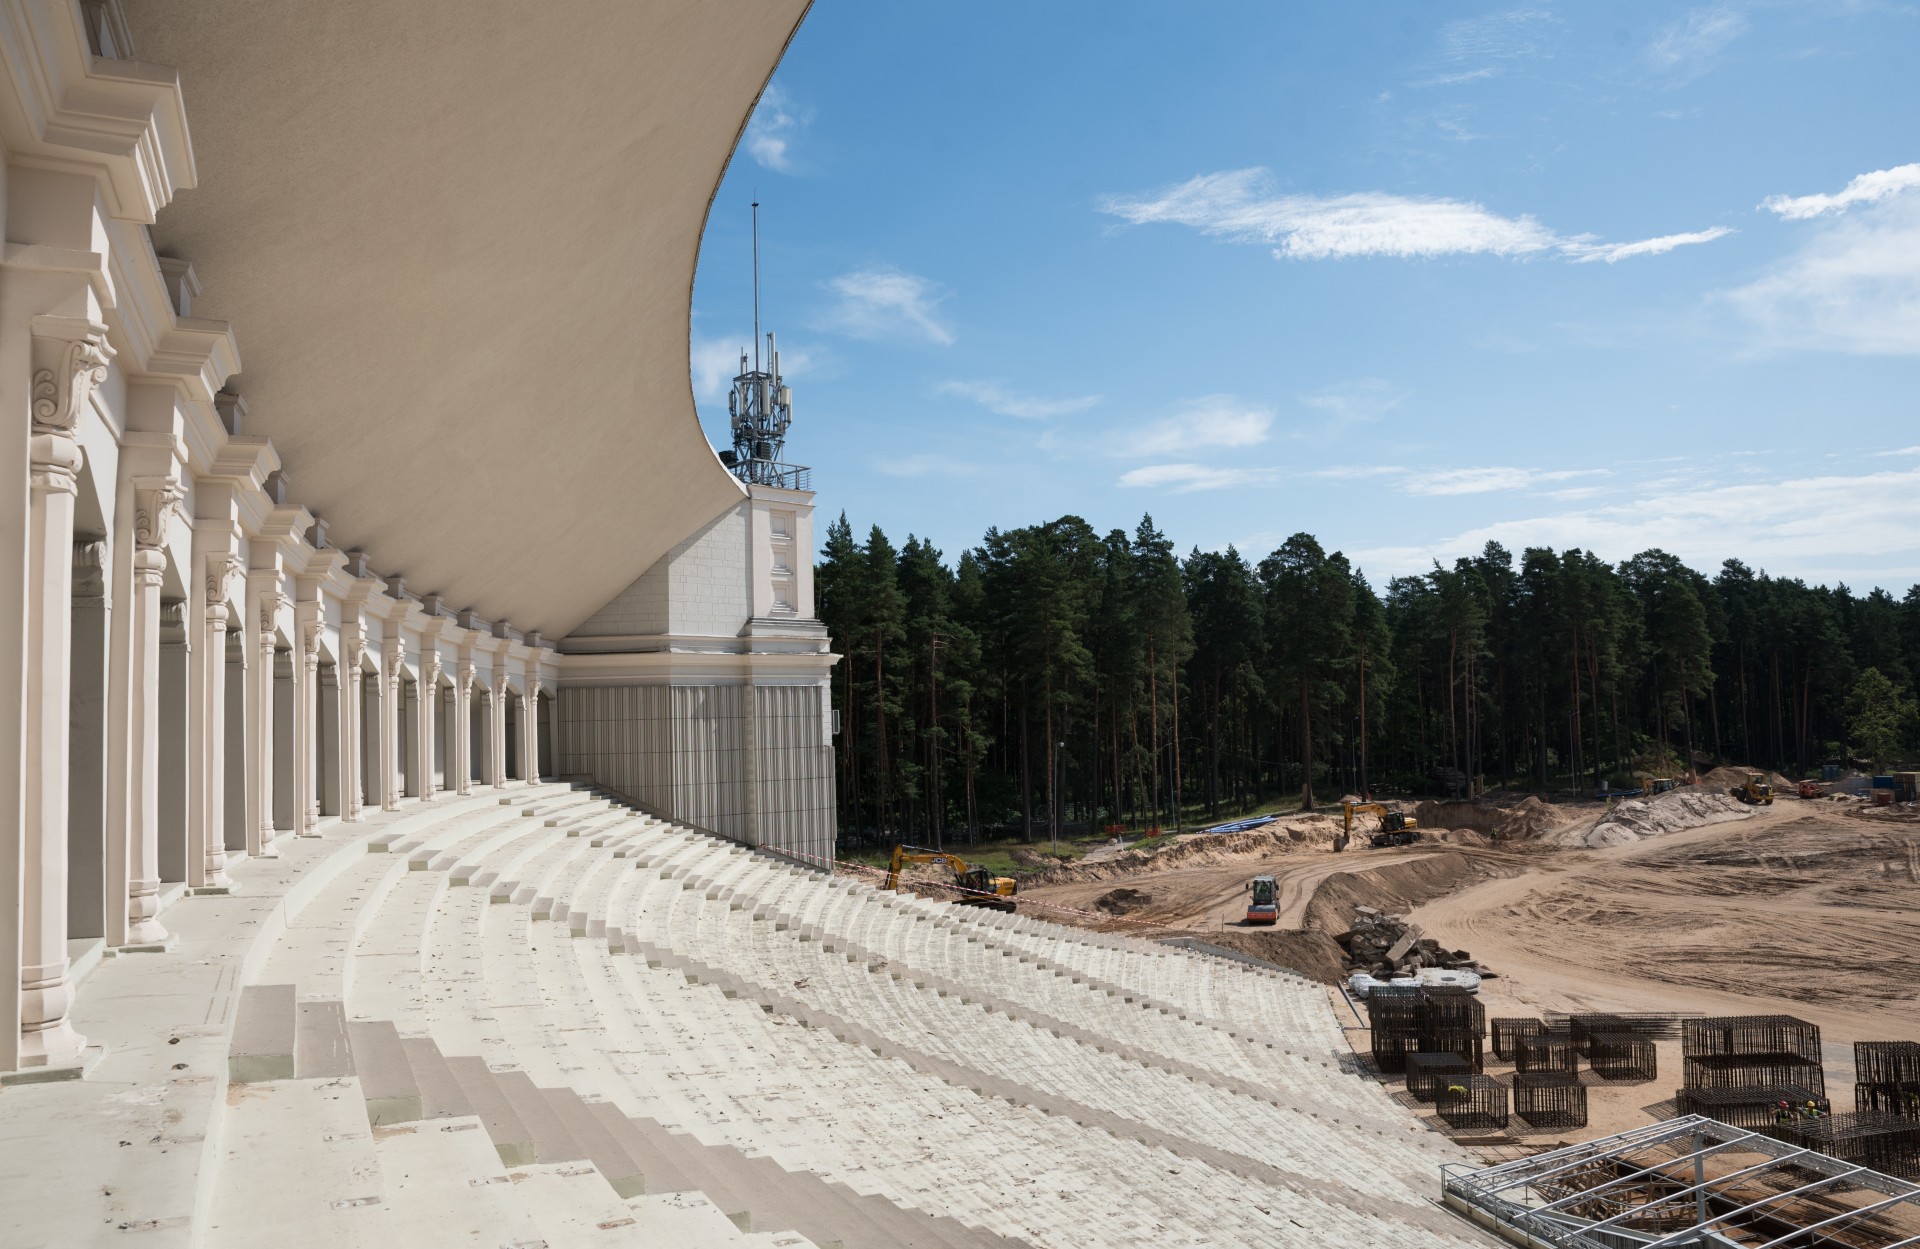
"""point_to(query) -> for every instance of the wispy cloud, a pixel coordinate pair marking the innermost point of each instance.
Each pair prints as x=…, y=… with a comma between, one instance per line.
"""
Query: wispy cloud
x=1868, y=188
x=1491, y=479
x=1612, y=253
x=1186, y=478
x=1473, y=48
x=1691, y=46
x=1882, y=455
x=996, y=398
x=1800, y=526
x=776, y=124
x=1853, y=287
x=1487, y=479
x=1362, y=401
x=716, y=361
x=1242, y=206
x=887, y=303
x=1209, y=421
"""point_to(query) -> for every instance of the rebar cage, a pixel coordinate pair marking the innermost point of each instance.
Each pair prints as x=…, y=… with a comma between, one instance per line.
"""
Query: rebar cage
x=1687, y=1182
x=1549, y=1053
x=1509, y=1031
x=1471, y=1103
x=1887, y=1143
x=1622, y=1056
x=1550, y=1101
x=1766, y=1039
x=1756, y=1108
x=1428, y=1073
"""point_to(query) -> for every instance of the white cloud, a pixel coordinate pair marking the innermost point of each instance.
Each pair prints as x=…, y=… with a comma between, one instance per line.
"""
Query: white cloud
x=771, y=132
x=1490, y=479
x=1209, y=421
x=1853, y=287
x=1612, y=253
x=1882, y=455
x=996, y=398
x=716, y=361
x=1825, y=528
x=1241, y=206
x=1347, y=403
x=1487, y=479
x=1473, y=48
x=887, y=303
x=1185, y=478
x=1868, y=188
x=1689, y=47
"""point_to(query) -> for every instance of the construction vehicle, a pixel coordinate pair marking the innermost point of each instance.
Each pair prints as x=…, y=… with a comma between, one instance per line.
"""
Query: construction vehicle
x=1657, y=785
x=1808, y=789
x=1265, y=907
x=976, y=885
x=1758, y=791
x=1395, y=829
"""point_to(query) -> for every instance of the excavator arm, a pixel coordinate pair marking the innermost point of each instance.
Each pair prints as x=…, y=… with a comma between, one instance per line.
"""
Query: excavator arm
x=992, y=891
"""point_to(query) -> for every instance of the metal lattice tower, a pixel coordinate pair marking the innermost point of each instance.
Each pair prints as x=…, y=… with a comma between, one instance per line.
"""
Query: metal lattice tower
x=761, y=407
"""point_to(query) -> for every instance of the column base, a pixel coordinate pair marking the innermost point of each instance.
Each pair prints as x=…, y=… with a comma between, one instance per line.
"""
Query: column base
x=212, y=891
x=77, y=1069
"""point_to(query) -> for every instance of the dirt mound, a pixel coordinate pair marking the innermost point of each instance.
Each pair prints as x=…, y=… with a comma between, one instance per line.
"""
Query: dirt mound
x=1527, y=820
x=1636, y=819
x=1121, y=901
x=1289, y=833
x=1312, y=954
x=1725, y=778
x=1396, y=888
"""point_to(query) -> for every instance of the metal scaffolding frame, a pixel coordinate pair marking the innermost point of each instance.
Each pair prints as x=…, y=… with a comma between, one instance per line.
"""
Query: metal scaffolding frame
x=1687, y=1182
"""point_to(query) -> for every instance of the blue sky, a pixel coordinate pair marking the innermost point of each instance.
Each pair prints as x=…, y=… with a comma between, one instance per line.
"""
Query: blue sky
x=1408, y=276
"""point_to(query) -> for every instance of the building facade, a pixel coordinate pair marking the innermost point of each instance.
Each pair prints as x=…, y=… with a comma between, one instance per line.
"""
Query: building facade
x=195, y=664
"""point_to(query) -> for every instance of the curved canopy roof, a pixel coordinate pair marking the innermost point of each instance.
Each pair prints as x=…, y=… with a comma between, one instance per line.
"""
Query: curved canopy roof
x=456, y=239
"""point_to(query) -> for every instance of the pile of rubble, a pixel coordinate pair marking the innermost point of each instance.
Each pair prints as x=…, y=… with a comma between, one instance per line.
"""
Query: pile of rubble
x=1388, y=946
x=1120, y=901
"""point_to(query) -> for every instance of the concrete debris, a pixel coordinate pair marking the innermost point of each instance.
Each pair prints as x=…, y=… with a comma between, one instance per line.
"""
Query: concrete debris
x=1389, y=945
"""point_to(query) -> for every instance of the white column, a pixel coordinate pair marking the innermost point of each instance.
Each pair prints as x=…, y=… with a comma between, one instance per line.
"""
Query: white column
x=530, y=733
x=67, y=368
x=306, y=729
x=390, y=730
x=429, y=720
x=352, y=653
x=154, y=501
x=260, y=838
x=497, y=737
x=463, y=729
x=207, y=811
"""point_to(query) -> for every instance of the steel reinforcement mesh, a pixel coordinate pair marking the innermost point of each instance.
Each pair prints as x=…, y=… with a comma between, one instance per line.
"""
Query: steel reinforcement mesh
x=1886, y=1143
x=1622, y=1056
x=1758, y=1108
x=1427, y=1073
x=1550, y=1101
x=1720, y=1072
x=1760, y=1037
x=1471, y=1104
x=1509, y=1031
x=1549, y=1053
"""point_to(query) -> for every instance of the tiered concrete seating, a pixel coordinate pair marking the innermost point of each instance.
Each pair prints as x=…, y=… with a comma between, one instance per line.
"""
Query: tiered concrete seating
x=574, y=1023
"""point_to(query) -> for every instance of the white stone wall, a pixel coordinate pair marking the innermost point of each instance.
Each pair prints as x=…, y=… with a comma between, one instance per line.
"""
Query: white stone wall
x=699, y=588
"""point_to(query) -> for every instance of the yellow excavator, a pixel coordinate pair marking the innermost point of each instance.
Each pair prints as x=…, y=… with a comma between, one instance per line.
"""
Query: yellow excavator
x=977, y=886
x=1395, y=829
x=1758, y=791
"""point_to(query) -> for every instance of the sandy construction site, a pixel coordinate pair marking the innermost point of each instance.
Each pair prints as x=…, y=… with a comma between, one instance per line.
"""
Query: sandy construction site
x=1686, y=903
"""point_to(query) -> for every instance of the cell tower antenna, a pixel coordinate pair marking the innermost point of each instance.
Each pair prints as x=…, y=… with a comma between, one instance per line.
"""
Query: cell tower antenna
x=760, y=407
x=756, y=286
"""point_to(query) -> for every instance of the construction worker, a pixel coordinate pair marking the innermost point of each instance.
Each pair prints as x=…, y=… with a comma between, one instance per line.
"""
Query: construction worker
x=1783, y=1116
x=1812, y=1110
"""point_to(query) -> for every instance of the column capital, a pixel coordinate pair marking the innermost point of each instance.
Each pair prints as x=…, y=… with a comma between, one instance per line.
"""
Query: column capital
x=270, y=605
x=70, y=356
x=155, y=500
x=222, y=568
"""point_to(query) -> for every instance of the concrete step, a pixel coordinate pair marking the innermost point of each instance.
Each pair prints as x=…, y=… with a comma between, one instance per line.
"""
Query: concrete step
x=320, y=1047
x=570, y=1204
x=386, y=1077
x=441, y=1096
x=551, y=1140
x=444, y=1186
x=620, y=1168
x=264, y=1032
x=508, y=1132
x=298, y=1169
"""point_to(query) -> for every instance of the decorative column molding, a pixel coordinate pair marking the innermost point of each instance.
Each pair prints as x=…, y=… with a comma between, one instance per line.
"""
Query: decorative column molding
x=394, y=655
x=210, y=826
x=530, y=731
x=155, y=499
x=267, y=641
x=497, y=737
x=463, y=727
x=306, y=721
x=429, y=719
x=70, y=359
x=353, y=653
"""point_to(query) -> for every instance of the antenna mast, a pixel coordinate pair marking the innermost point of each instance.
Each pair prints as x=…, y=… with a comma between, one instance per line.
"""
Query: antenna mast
x=761, y=408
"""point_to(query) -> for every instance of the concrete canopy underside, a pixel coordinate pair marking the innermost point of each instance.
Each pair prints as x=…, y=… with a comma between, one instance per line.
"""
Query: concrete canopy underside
x=457, y=242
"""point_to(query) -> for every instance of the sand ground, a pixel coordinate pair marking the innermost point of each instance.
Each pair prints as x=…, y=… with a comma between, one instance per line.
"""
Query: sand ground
x=1808, y=908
